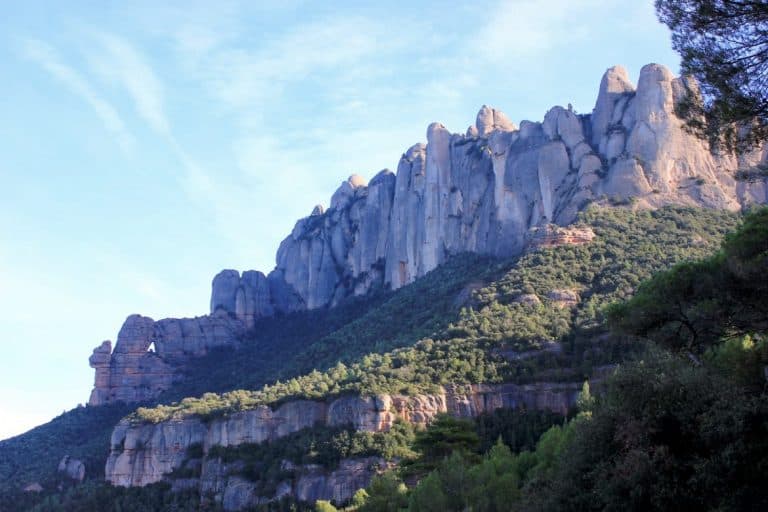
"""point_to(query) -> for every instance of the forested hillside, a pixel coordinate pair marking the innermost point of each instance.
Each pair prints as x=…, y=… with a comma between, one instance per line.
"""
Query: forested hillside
x=473, y=320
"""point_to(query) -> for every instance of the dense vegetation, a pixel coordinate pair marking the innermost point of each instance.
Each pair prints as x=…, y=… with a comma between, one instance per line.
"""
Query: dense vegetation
x=283, y=347
x=724, y=45
x=484, y=342
x=83, y=433
x=670, y=432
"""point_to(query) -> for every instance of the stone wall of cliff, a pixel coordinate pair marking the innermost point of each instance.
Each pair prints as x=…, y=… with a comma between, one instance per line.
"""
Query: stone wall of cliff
x=494, y=189
x=145, y=453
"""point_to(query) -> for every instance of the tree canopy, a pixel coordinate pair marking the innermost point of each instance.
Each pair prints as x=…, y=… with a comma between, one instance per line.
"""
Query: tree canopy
x=724, y=45
x=694, y=304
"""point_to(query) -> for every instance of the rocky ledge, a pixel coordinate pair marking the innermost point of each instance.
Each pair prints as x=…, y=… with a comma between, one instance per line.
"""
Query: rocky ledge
x=144, y=453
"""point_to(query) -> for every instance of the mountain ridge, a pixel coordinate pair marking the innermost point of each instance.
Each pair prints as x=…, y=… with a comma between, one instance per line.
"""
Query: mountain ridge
x=486, y=191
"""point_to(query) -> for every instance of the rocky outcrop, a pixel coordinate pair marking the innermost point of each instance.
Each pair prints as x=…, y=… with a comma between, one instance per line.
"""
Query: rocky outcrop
x=146, y=453
x=72, y=469
x=495, y=190
x=563, y=297
x=148, y=354
x=223, y=484
x=33, y=487
x=552, y=235
x=245, y=297
x=338, y=253
x=339, y=485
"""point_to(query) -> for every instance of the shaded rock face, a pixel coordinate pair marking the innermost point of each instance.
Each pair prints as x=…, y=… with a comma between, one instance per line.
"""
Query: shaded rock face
x=340, y=252
x=338, y=485
x=245, y=297
x=142, y=454
x=72, y=469
x=308, y=483
x=148, y=354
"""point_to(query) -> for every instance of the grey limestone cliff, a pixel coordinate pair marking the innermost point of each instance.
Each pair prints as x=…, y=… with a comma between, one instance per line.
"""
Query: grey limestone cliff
x=485, y=190
x=495, y=190
x=146, y=453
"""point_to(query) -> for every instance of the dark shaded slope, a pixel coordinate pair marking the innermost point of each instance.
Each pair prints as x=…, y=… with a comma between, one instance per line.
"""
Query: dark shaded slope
x=83, y=433
x=288, y=346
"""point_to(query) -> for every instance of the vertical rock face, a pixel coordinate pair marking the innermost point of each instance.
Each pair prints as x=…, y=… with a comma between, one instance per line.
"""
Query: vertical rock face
x=148, y=354
x=483, y=192
x=145, y=453
x=245, y=297
x=142, y=454
x=339, y=485
x=340, y=252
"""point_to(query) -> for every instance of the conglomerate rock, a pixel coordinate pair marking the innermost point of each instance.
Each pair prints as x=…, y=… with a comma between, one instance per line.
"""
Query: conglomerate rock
x=495, y=190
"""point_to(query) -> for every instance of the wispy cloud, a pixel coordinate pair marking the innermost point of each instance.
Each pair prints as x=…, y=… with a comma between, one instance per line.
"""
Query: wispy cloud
x=123, y=64
x=45, y=55
x=245, y=78
x=523, y=29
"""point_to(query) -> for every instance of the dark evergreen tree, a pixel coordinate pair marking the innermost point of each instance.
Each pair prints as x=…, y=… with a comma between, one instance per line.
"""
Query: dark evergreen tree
x=724, y=45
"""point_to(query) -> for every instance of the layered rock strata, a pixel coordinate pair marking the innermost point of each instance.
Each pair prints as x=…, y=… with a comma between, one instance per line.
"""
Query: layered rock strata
x=553, y=236
x=145, y=453
x=492, y=190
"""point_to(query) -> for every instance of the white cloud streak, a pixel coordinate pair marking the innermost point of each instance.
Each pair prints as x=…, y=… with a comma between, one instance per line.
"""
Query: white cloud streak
x=522, y=29
x=124, y=64
x=44, y=55
x=244, y=78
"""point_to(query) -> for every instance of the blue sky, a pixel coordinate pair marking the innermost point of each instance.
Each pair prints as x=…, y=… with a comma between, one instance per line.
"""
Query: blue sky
x=145, y=148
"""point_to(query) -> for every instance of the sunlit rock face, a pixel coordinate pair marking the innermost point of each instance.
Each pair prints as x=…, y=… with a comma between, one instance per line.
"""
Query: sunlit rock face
x=496, y=189
x=146, y=453
x=485, y=190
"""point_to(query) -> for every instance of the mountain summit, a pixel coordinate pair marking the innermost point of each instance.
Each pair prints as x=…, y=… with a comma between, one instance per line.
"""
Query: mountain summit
x=488, y=191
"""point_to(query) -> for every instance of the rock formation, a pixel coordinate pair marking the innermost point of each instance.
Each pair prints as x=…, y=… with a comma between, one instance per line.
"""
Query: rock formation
x=563, y=297
x=72, y=469
x=33, y=487
x=245, y=297
x=552, y=235
x=145, y=453
x=488, y=191
x=147, y=354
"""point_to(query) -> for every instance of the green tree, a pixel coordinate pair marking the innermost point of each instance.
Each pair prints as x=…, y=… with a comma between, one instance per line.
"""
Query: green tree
x=446, y=435
x=692, y=306
x=428, y=496
x=359, y=498
x=724, y=45
x=324, y=506
x=386, y=494
x=665, y=436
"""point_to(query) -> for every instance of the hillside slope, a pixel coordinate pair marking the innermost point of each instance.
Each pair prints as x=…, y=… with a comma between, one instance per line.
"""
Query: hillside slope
x=503, y=335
